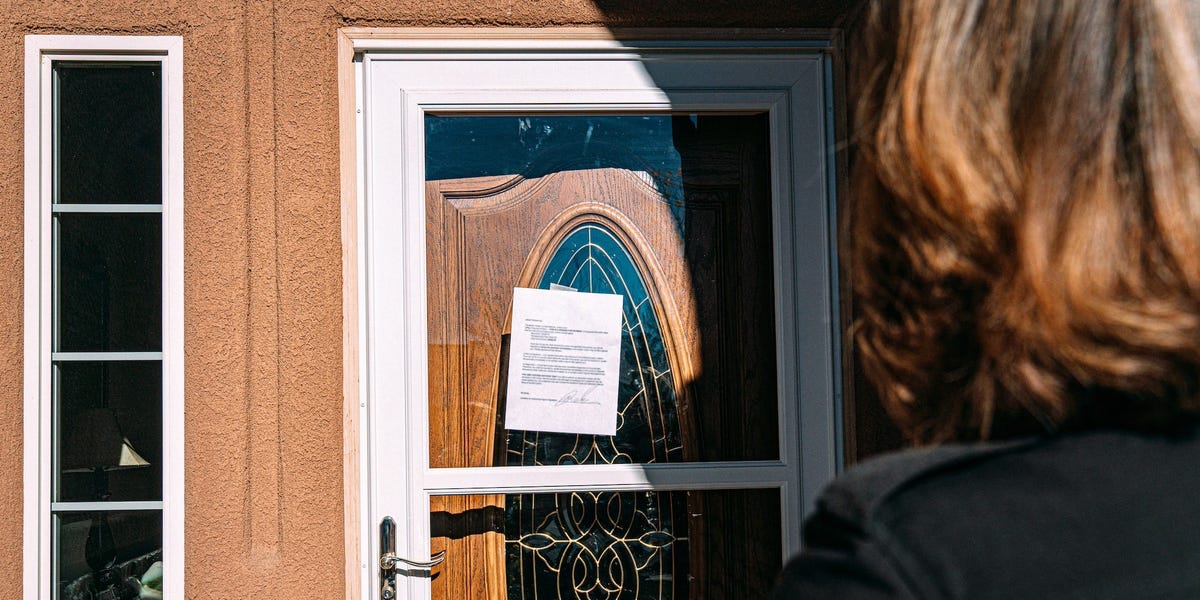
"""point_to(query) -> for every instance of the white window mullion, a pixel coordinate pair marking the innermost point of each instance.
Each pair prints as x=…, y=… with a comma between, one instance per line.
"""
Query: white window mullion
x=107, y=208
x=66, y=507
x=104, y=356
x=566, y=478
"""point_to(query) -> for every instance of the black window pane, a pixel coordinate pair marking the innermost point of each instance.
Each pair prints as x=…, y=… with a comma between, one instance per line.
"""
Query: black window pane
x=103, y=554
x=108, y=133
x=109, y=419
x=109, y=282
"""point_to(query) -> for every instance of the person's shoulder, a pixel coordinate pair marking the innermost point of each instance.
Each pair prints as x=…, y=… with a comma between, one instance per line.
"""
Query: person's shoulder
x=858, y=494
x=873, y=485
x=847, y=552
x=1026, y=518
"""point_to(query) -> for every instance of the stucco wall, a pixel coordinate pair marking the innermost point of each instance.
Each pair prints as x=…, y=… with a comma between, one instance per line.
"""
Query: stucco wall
x=263, y=308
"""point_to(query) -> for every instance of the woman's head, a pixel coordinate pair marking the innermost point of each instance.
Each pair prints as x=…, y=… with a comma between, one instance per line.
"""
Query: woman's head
x=1024, y=232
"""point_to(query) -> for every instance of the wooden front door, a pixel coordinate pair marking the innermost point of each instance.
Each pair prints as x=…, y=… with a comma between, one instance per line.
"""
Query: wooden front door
x=689, y=181
x=673, y=212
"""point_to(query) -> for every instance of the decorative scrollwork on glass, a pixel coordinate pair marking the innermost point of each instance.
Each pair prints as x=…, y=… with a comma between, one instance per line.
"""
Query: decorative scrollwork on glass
x=604, y=544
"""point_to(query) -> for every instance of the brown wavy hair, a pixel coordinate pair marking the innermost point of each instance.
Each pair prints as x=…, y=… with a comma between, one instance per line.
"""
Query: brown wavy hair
x=1023, y=236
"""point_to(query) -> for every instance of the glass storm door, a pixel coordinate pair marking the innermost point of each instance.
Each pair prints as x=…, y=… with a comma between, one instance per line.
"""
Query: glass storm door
x=688, y=206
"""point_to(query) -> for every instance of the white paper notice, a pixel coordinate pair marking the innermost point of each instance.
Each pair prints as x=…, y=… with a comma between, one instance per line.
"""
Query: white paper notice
x=564, y=361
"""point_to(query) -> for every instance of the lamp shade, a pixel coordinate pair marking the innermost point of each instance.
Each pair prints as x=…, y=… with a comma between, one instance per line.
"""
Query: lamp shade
x=94, y=441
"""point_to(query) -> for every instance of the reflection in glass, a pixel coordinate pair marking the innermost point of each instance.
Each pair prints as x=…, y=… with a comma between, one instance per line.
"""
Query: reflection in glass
x=701, y=229
x=470, y=146
x=108, y=133
x=673, y=212
x=109, y=419
x=107, y=552
x=106, y=295
x=532, y=146
x=109, y=282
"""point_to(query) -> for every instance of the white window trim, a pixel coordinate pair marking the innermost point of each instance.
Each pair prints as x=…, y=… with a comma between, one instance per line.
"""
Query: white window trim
x=803, y=371
x=40, y=50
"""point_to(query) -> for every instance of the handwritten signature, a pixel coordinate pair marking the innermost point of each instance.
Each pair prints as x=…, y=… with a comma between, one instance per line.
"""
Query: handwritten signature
x=578, y=396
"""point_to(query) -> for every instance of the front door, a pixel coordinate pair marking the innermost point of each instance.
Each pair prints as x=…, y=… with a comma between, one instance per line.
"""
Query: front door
x=595, y=174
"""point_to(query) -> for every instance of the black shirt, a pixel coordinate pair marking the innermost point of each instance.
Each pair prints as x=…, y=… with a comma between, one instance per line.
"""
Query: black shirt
x=1101, y=514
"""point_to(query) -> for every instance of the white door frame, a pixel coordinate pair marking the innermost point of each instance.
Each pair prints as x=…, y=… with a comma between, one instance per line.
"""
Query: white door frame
x=505, y=70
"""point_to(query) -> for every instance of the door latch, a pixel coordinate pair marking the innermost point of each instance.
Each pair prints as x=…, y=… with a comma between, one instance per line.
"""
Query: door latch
x=388, y=560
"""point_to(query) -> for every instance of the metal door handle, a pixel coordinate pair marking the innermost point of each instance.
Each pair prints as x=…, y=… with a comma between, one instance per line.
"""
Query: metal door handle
x=389, y=561
x=388, y=558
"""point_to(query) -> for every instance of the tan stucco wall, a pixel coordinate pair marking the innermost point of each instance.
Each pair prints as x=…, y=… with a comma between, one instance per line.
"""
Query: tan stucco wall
x=263, y=306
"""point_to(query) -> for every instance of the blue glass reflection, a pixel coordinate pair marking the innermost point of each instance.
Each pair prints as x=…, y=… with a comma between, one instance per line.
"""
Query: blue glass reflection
x=459, y=147
x=463, y=146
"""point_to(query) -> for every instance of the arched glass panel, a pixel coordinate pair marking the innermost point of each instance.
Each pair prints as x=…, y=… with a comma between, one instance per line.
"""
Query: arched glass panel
x=604, y=544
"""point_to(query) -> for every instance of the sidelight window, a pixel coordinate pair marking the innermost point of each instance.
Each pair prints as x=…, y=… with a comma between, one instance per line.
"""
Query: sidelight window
x=103, y=318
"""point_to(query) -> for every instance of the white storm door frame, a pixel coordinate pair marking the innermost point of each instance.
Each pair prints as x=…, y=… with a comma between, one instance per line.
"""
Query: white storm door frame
x=400, y=79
